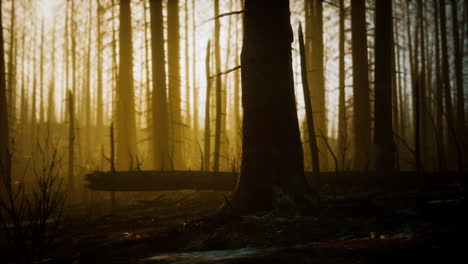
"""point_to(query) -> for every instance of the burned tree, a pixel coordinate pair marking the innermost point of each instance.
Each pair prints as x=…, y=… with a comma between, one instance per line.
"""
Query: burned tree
x=272, y=170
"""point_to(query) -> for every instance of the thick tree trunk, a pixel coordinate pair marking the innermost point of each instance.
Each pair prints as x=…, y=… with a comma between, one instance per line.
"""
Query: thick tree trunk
x=126, y=123
x=4, y=135
x=314, y=33
x=272, y=172
x=383, y=132
x=361, y=98
x=160, y=125
x=194, y=75
x=173, y=55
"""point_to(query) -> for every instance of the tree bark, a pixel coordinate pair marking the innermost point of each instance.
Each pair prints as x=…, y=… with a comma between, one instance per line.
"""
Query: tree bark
x=383, y=132
x=342, y=123
x=160, y=126
x=361, y=98
x=314, y=33
x=217, y=140
x=126, y=123
x=272, y=170
x=173, y=54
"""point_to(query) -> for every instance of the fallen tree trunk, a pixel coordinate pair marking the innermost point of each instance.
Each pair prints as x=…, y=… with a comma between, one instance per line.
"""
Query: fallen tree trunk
x=226, y=181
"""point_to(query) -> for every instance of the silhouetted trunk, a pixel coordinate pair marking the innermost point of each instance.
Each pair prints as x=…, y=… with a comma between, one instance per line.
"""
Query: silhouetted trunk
x=342, y=123
x=4, y=135
x=439, y=107
x=460, y=123
x=361, y=98
x=207, y=140
x=272, y=172
x=308, y=107
x=160, y=126
x=194, y=75
x=173, y=55
x=217, y=140
x=187, y=125
x=450, y=130
x=87, y=96
x=314, y=33
x=383, y=132
x=99, y=103
x=423, y=84
x=126, y=124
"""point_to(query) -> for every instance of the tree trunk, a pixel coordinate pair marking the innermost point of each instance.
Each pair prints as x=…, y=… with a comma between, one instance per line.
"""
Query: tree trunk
x=361, y=98
x=450, y=130
x=160, y=126
x=308, y=106
x=173, y=54
x=41, y=74
x=51, y=118
x=207, y=139
x=126, y=123
x=272, y=172
x=383, y=132
x=460, y=123
x=12, y=70
x=217, y=140
x=342, y=123
x=314, y=33
x=194, y=75
x=4, y=135
x=99, y=103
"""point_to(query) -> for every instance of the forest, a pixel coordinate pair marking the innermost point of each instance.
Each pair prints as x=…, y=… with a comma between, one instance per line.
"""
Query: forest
x=233, y=131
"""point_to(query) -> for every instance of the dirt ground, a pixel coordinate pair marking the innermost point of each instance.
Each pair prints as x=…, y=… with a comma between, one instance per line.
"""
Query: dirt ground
x=400, y=226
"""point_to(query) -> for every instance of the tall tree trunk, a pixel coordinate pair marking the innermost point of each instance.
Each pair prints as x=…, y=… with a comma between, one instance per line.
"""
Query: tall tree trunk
x=457, y=47
x=314, y=33
x=207, y=139
x=99, y=99
x=217, y=141
x=450, y=130
x=308, y=106
x=272, y=172
x=194, y=75
x=126, y=123
x=361, y=98
x=383, y=132
x=173, y=54
x=342, y=123
x=4, y=133
x=160, y=125
x=87, y=96
x=439, y=105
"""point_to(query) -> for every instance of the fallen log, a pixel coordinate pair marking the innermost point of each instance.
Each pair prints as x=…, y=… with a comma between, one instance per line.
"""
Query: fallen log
x=226, y=181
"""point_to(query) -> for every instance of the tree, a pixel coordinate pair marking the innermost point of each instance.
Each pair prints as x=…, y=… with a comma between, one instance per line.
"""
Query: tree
x=206, y=138
x=100, y=103
x=159, y=98
x=217, y=141
x=173, y=57
x=342, y=122
x=458, y=72
x=361, y=105
x=4, y=135
x=126, y=123
x=383, y=132
x=314, y=33
x=272, y=170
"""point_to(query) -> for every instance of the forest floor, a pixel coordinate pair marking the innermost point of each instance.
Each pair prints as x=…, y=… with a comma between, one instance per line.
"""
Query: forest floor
x=398, y=226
